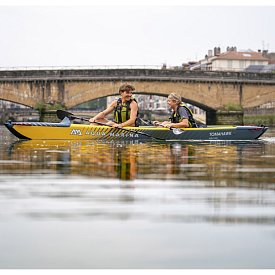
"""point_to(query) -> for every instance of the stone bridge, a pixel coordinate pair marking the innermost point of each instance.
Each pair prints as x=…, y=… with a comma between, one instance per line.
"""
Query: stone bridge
x=211, y=91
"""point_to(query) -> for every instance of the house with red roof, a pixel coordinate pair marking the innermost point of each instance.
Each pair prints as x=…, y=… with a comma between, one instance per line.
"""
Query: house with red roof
x=231, y=60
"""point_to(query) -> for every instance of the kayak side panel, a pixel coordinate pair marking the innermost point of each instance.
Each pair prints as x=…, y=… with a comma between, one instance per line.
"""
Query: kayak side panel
x=87, y=132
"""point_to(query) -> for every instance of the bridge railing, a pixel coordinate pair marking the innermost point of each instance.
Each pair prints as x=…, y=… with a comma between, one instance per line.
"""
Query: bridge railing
x=170, y=74
x=88, y=67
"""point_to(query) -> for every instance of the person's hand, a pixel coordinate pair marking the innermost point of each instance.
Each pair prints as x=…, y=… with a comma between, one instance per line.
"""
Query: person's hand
x=117, y=125
x=168, y=125
x=156, y=123
x=164, y=123
x=92, y=120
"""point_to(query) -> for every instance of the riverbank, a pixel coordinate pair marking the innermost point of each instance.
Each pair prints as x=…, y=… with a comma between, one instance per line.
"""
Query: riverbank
x=267, y=120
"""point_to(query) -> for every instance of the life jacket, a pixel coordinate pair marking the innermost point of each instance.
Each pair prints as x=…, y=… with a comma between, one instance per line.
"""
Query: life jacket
x=176, y=118
x=122, y=111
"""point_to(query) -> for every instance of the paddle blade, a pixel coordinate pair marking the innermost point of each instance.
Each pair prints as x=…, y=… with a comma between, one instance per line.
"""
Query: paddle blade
x=61, y=114
x=177, y=131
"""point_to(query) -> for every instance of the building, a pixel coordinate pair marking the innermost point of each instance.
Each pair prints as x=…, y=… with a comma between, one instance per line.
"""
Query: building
x=271, y=58
x=231, y=60
x=238, y=61
x=270, y=68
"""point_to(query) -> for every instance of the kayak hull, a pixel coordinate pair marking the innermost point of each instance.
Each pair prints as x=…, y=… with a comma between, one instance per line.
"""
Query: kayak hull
x=68, y=131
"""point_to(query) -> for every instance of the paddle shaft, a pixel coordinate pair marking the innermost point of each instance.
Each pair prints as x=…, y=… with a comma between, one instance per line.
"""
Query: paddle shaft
x=132, y=131
x=61, y=114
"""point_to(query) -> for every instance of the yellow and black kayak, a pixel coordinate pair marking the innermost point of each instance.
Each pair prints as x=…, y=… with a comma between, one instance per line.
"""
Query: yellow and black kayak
x=65, y=130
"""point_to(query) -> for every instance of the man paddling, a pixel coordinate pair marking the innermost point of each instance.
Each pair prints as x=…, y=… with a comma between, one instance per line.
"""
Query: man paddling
x=125, y=109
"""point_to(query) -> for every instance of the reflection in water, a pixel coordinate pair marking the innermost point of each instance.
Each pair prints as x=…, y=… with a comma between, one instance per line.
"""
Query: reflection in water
x=126, y=161
x=205, y=174
x=163, y=204
x=185, y=202
x=241, y=164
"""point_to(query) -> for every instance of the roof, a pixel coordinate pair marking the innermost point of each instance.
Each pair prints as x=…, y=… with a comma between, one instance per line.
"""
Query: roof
x=233, y=55
x=260, y=68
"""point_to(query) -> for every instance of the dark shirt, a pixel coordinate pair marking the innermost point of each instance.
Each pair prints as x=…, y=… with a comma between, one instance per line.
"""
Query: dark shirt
x=183, y=113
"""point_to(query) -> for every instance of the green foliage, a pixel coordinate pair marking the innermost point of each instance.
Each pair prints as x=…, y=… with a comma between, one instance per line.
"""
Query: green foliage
x=42, y=106
x=232, y=107
x=267, y=120
x=56, y=106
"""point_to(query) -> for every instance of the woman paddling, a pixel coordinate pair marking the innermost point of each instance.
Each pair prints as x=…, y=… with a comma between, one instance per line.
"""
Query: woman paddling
x=181, y=117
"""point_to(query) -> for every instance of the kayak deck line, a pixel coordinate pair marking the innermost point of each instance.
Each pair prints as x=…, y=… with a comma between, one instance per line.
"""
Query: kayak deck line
x=64, y=123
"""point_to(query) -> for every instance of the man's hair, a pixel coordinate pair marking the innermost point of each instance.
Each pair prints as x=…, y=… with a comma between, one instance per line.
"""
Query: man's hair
x=126, y=88
x=175, y=97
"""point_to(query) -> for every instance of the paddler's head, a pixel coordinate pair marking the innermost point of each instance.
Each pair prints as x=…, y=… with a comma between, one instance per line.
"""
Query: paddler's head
x=126, y=92
x=173, y=100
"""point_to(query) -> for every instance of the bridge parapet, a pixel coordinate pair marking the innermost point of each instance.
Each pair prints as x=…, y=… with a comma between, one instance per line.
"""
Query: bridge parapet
x=137, y=74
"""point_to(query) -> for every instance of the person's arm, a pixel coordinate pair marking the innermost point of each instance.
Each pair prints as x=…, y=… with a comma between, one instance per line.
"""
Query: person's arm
x=104, y=113
x=184, y=123
x=158, y=123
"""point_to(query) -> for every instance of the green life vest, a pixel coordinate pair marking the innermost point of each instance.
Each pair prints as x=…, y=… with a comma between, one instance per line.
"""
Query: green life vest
x=122, y=111
x=176, y=118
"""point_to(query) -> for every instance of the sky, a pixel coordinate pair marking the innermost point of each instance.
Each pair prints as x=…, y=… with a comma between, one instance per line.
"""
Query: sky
x=134, y=35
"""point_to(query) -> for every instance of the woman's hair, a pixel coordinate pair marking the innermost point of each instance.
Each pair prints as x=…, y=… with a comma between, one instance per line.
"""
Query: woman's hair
x=175, y=97
x=126, y=88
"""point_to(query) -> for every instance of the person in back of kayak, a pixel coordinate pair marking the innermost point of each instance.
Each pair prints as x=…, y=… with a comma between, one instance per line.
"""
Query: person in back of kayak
x=125, y=109
x=181, y=117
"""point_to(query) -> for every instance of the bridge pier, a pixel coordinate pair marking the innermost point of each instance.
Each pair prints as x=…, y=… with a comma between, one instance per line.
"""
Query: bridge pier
x=210, y=117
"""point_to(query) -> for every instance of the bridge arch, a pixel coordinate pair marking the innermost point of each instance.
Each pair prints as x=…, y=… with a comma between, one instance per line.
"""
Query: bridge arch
x=24, y=93
x=78, y=93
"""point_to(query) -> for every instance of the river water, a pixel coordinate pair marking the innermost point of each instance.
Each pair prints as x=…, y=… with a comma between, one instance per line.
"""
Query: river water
x=142, y=205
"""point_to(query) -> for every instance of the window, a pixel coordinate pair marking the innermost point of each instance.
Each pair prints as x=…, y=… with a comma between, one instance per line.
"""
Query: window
x=241, y=64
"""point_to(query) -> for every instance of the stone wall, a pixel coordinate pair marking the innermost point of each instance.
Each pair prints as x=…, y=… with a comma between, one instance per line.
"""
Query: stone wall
x=229, y=118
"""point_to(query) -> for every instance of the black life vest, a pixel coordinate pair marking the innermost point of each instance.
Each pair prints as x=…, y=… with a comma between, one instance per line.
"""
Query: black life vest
x=122, y=111
x=176, y=118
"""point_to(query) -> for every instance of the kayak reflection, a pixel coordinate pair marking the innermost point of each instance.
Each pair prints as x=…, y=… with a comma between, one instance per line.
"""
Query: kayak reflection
x=218, y=164
x=122, y=160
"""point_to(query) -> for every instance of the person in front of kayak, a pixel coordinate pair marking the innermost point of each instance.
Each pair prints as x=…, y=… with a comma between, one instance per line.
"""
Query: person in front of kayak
x=125, y=109
x=181, y=117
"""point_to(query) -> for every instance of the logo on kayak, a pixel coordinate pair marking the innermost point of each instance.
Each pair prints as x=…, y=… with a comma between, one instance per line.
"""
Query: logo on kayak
x=217, y=134
x=95, y=133
x=76, y=132
x=112, y=134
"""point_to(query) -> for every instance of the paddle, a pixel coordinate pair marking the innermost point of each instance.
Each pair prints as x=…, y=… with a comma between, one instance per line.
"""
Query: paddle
x=61, y=114
x=176, y=131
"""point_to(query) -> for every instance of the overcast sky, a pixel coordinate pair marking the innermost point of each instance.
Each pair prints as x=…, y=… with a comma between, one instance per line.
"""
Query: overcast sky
x=128, y=35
